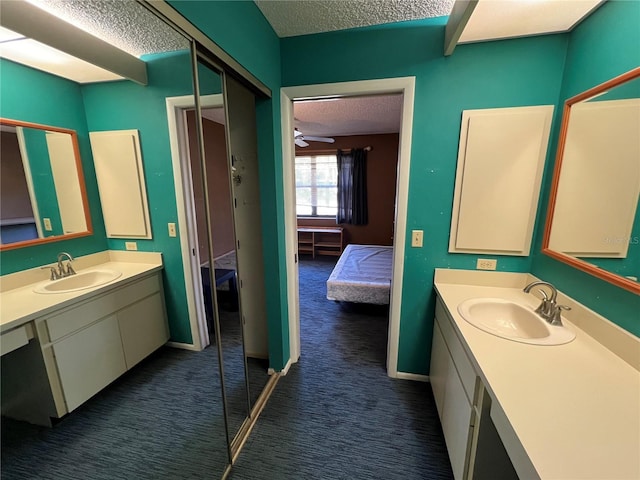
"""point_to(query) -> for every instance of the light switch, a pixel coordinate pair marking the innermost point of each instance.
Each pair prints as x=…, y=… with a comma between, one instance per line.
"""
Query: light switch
x=416, y=238
x=131, y=245
x=47, y=224
x=172, y=229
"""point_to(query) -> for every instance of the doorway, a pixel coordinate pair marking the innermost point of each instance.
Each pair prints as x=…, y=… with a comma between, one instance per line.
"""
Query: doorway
x=328, y=132
x=405, y=87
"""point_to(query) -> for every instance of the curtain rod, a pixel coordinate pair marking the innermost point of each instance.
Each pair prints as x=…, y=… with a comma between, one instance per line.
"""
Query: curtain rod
x=304, y=152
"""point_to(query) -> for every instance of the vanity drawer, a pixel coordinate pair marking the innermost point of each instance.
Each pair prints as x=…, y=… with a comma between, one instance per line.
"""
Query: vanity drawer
x=463, y=365
x=16, y=338
x=83, y=315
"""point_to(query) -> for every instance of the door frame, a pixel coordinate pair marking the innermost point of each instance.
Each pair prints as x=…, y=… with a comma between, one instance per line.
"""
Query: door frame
x=405, y=86
x=183, y=182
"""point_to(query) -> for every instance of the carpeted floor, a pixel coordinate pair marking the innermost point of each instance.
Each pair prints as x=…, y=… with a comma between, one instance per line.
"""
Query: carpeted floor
x=336, y=414
x=161, y=420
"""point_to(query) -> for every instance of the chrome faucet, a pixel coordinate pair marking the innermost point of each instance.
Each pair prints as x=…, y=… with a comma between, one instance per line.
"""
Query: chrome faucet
x=62, y=272
x=549, y=310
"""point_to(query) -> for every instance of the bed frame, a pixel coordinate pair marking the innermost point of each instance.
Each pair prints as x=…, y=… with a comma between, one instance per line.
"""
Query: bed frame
x=362, y=275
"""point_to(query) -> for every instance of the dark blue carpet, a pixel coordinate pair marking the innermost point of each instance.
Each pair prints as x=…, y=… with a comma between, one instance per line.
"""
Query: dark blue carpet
x=161, y=420
x=336, y=414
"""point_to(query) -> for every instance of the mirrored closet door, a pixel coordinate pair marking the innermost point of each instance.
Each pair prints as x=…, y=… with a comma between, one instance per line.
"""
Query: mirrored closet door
x=247, y=217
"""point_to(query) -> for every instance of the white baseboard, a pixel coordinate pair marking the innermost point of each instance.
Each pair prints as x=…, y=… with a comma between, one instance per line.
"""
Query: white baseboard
x=184, y=346
x=282, y=372
x=412, y=376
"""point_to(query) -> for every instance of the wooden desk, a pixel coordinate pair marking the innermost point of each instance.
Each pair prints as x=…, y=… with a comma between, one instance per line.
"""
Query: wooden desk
x=320, y=241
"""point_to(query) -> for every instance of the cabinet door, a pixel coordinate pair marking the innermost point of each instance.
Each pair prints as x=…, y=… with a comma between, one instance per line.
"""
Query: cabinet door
x=456, y=421
x=89, y=360
x=439, y=364
x=143, y=327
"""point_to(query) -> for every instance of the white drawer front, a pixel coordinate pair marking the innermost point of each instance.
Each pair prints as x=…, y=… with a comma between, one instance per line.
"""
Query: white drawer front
x=76, y=318
x=14, y=339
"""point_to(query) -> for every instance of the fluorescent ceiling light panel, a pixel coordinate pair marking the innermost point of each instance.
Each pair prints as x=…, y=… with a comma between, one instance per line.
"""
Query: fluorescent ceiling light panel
x=7, y=35
x=495, y=19
x=42, y=57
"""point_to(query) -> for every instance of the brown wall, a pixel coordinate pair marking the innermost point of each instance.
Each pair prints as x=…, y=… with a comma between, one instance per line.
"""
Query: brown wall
x=14, y=194
x=382, y=164
x=217, y=184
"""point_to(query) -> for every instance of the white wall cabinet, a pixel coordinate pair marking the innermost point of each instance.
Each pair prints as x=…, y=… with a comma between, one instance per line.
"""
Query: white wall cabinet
x=500, y=164
x=89, y=345
x=120, y=174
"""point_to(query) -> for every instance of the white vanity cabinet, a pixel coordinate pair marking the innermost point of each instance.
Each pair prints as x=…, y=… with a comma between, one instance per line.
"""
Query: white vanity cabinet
x=90, y=344
x=453, y=381
x=475, y=450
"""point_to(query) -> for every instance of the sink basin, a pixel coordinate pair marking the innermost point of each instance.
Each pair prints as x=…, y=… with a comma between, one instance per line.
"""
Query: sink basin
x=79, y=281
x=512, y=321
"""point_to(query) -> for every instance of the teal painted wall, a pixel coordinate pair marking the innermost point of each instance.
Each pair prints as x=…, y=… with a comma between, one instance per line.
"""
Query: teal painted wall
x=240, y=29
x=35, y=143
x=34, y=96
x=605, y=45
x=126, y=105
x=488, y=75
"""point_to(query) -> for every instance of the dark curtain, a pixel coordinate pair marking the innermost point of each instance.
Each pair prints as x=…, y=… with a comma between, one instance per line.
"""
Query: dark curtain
x=352, y=187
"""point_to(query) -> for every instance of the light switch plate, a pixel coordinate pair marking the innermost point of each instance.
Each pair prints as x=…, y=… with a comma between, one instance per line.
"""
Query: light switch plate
x=172, y=229
x=416, y=238
x=47, y=224
x=131, y=245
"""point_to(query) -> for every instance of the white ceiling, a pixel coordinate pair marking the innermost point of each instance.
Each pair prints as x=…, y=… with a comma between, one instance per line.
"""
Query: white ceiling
x=349, y=116
x=290, y=18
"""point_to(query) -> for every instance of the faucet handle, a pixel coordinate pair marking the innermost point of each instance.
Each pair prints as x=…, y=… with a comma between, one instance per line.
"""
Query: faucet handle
x=70, y=270
x=556, y=318
x=53, y=271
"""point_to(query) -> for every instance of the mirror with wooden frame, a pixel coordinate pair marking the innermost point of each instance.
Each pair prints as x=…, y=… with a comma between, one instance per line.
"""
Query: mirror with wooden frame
x=43, y=197
x=593, y=221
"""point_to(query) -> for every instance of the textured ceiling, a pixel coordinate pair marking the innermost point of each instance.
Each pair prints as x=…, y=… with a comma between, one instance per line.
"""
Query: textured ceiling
x=349, y=116
x=290, y=18
x=124, y=23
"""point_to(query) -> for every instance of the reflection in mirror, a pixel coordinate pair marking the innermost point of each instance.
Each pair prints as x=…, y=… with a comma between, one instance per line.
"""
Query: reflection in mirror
x=164, y=417
x=42, y=194
x=594, y=223
x=222, y=285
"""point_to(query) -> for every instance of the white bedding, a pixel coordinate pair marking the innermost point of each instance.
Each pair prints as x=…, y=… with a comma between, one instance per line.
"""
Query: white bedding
x=362, y=275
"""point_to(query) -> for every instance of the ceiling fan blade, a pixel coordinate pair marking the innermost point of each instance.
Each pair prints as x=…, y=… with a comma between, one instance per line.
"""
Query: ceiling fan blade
x=320, y=139
x=301, y=143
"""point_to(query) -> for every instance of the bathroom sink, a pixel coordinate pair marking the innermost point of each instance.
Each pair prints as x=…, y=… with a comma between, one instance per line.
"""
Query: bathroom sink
x=79, y=281
x=512, y=321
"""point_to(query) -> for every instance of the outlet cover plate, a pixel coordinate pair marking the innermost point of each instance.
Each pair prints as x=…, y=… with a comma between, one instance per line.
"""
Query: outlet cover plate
x=486, y=264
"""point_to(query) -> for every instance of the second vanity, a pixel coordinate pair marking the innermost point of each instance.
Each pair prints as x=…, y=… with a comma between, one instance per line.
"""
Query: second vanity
x=517, y=410
x=59, y=349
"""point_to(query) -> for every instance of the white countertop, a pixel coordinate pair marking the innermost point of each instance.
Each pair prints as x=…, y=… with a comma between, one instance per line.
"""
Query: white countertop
x=21, y=304
x=574, y=408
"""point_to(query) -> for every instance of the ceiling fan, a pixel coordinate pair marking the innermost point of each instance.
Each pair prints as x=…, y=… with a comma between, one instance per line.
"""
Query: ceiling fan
x=299, y=139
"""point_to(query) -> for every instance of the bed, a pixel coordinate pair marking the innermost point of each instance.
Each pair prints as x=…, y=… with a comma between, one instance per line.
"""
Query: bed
x=362, y=275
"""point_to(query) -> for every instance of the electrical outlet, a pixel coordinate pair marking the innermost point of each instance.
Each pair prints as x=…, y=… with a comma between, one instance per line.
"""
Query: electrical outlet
x=172, y=229
x=416, y=238
x=47, y=224
x=486, y=264
x=131, y=245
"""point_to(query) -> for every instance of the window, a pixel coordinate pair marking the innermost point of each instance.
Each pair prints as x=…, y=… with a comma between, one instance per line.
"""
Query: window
x=317, y=186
